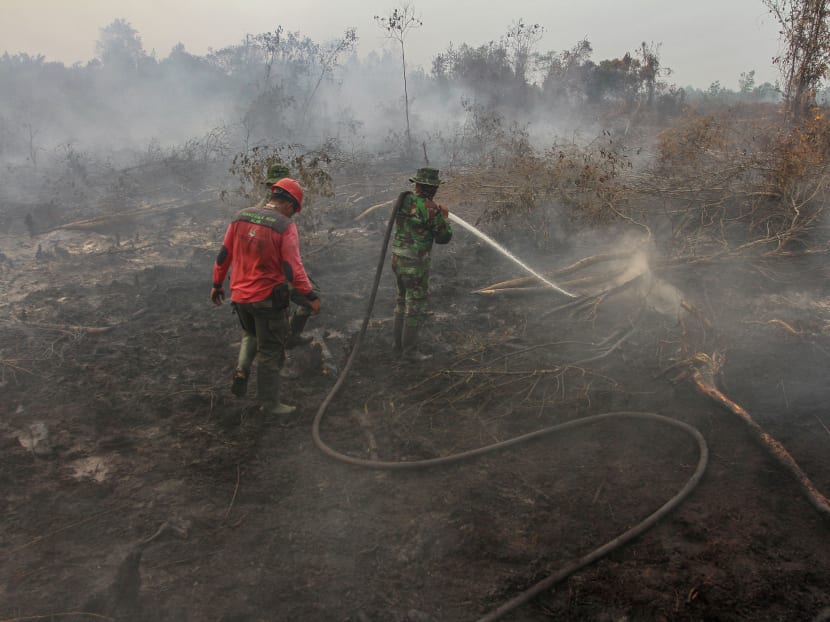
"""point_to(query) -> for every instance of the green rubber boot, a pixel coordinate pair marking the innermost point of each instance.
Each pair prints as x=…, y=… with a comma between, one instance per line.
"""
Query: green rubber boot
x=397, y=332
x=247, y=352
x=270, y=388
x=278, y=408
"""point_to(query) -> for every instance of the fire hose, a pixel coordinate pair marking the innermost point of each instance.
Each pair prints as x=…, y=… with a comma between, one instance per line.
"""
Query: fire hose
x=570, y=568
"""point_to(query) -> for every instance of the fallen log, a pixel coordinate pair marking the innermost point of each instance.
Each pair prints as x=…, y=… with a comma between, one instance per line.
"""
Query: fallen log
x=145, y=210
x=587, y=261
x=76, y=328
x=70, y=328
x=586, y=280
x=371, y=209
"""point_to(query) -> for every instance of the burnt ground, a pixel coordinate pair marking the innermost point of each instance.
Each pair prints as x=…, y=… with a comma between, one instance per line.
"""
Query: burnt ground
x=135, y=487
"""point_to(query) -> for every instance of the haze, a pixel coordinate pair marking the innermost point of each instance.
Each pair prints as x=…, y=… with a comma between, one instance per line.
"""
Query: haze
x=702, y=42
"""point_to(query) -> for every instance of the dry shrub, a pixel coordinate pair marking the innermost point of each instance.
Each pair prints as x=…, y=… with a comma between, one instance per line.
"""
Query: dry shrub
x=741, y=181
x=737, y=181
x=685, y=145
x=310, y=168
x=588, y=181
x=543, y=196
x=800, y=154
x=500, y=179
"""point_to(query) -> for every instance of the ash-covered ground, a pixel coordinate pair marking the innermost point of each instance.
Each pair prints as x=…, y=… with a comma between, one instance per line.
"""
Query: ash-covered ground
x=136, y=487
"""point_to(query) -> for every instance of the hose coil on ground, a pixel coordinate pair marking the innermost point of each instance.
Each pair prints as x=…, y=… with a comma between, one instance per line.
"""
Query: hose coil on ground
x=574, y=566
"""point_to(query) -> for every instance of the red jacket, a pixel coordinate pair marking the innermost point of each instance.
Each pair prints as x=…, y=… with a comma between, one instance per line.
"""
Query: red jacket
x=262, y=249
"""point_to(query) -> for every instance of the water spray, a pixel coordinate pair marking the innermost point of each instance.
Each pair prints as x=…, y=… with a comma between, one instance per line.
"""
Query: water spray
x=483, y=236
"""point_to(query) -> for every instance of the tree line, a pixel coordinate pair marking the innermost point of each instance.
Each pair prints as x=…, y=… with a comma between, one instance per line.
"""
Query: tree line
x=281, y=83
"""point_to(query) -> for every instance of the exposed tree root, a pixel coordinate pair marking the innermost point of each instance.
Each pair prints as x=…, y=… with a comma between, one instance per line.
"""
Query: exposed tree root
x=782, y=324
x=704, y=369
x=592, y=302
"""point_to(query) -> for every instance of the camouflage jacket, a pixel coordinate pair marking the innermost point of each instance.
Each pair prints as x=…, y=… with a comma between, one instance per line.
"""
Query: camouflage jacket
x=418, y=223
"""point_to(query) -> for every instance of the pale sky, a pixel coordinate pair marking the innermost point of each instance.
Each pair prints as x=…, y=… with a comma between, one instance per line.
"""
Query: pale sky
x=700, y=40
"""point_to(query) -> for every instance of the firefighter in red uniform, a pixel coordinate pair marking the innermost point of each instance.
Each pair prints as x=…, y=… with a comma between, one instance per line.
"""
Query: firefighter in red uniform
x=262, y=250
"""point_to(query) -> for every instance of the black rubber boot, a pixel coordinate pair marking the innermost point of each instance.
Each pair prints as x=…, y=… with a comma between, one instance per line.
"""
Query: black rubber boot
x=239, y=384
x=397, y=332
x=411, y=352
x=295, y=331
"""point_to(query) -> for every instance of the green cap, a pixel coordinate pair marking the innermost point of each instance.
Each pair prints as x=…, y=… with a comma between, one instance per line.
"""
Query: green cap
x=275, y=173
x=426, y=176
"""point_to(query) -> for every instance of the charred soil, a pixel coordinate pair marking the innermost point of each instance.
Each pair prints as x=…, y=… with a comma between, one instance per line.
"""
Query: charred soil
x=136, y=487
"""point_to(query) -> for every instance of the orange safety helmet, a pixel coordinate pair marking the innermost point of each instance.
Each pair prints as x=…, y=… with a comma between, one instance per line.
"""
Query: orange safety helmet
x=292, y=188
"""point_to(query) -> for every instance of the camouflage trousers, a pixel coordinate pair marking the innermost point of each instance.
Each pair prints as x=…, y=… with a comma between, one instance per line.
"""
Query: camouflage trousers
x=412, y=279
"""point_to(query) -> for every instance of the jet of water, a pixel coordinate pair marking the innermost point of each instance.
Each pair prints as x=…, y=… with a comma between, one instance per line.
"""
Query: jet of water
x=457, y=219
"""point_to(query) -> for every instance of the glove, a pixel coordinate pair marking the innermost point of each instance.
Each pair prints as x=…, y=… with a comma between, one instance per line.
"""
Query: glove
x=315, y=306
x=217, y=295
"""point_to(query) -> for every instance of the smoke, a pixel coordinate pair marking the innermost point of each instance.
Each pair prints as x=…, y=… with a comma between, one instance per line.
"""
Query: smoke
x=658, y=295
x=271, y=88
x=663, y=297
x=548, y=163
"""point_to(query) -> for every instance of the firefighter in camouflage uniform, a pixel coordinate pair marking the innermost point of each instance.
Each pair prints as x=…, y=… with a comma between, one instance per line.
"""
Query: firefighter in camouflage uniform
x=419, y=222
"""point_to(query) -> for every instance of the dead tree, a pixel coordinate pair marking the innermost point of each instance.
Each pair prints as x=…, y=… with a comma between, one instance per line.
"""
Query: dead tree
x=806, y=50
x=397, y=26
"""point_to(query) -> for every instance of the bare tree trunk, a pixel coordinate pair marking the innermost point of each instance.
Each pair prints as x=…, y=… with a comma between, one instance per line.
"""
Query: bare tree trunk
x=406, y=100
x=803, y=63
